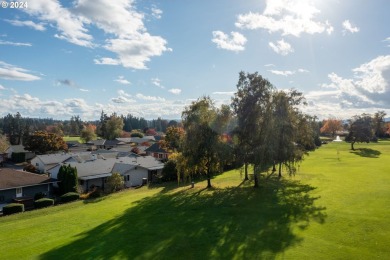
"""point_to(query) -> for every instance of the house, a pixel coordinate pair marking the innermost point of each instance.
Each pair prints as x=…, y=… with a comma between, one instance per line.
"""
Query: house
x=135, y=169
x=157, y=152
x=145, y=139
x=46, y=161
x=22, y=185
x=97, y=144
x=17, y=153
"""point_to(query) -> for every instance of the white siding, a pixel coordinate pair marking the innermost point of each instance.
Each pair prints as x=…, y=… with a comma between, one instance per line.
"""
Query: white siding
x=136, y=176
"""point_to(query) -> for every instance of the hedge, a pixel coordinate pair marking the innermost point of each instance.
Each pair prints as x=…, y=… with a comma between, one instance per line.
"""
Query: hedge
x=13, y=208
x=70, y=196
x=42, y=203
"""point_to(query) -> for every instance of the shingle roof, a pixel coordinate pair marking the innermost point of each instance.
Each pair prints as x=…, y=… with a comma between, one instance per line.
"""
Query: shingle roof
x=155, y=148
x=18, y=149
x=97, y=142
x=10, y=178
x=59, y=157
x=104, y=166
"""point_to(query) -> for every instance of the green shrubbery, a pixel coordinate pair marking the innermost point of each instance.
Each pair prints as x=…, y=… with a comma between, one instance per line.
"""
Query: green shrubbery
x=13, y=208
x=68, y=197
x=39, y=195
x=43, y=202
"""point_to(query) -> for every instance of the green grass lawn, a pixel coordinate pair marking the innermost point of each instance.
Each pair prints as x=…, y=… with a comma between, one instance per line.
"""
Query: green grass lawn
x=336, y=207
x=72, y=138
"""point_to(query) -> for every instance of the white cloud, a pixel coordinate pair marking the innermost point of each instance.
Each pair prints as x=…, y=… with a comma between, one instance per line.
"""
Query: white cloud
x=175, y=91
x=134, y=51
x=285, y=16
x=15, y=43
x=281, y=47
x=156, y=12
x=303, y=70
x=269, y=65
x=30, y=106
x=282, y=72
x=122, y=80
x=157, y=82
x=368, y=90
x=84, y=90
x=2, y=87
x=11, y=72
x=236, y=41
x=31, y=24
x=387, y=40
x=70, y=26
x=123, y=97
x=348, y=27
x=225, y=93
x=126, y=34
x=149, y=98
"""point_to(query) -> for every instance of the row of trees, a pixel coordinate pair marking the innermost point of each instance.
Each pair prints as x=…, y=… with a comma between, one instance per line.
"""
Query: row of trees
x=360, y=128
x=269, y=130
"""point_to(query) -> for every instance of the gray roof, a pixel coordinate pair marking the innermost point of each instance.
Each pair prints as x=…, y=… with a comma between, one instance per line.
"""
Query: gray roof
x=144, y=139
x=59, y=157
x=155, y=148
x=18, y=149
x=97, y=142
x=95, y=167
x=106, y=166
x=10, y=178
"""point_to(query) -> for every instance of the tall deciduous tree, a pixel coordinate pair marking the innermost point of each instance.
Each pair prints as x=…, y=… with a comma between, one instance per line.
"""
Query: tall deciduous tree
x=113, y=127
x=43, y=142
x=331, y=126
x=360, y=130
x=88, y=133
x=4, y=144
x=287, y=124
x=252, y=106
x=201, y=140
x=173, y=138
x=379, y=124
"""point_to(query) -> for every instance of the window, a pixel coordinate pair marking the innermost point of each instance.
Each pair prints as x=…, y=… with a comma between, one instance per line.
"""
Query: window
x=128, y=177
x=1, y=198
x=160, y=155
x=19, y=192
x=36, y=164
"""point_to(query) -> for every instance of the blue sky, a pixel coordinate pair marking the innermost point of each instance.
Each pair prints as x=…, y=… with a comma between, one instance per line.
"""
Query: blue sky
x=152, y=58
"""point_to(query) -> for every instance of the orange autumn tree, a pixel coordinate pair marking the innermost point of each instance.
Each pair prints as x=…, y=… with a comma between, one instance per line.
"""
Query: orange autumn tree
x=331, y=126
x=43, y=142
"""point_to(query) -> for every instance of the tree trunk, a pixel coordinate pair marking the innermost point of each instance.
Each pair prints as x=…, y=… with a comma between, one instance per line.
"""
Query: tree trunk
x=280, y=170
x=256, y=184
x=246, y=171
x=208, y=178
x=352, y=148
x=273, y=167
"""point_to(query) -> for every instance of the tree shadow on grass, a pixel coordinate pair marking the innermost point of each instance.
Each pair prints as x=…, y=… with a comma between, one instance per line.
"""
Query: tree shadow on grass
x=367, y=152
x=238, y=222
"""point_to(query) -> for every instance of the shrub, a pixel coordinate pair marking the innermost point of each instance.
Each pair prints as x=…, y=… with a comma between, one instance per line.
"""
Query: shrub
x=96, y=192
x=13, y=208
x=169, y=172
x=70, y=196
x=39, y=195
x=42, y=203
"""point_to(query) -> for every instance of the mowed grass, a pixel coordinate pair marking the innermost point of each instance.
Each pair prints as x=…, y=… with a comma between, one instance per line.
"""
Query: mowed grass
x=336, y=207
x=72, y=138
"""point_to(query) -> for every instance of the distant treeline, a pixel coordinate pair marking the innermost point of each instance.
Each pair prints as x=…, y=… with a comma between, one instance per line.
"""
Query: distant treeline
x=16, y=127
